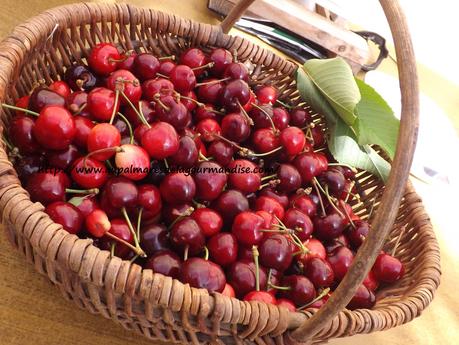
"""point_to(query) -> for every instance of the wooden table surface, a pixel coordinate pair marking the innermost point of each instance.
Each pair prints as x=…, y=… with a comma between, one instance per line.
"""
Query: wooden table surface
x=32, y=311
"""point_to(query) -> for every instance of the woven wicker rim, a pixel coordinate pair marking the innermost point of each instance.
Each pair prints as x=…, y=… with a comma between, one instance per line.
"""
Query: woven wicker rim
x=26, y=220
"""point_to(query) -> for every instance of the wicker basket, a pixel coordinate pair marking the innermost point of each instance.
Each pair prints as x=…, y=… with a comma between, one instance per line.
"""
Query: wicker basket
x=158, y=306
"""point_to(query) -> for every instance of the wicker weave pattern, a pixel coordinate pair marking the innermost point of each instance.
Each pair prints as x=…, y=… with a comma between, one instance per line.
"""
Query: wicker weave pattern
x=157, y=306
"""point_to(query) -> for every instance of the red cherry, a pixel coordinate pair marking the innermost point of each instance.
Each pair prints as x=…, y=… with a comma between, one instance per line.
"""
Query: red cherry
x=194, y=58
x=160, y=141
x=208, y=220
x=228, y=291
x=21, y=134
x=246, y=228
x=149, y=200
x=235, y=127
x=236, y=70
x=83, y=127
x=304, y=203
x=265, y=140
x=60, y=87
x=289, y=178
x=103, y=136
x=161, y=86
x=281, y=118
x=293, y=140
x=166, y=67
x=178, y=188
x=132, y=161
x=230, y=203
x=260, y=296
x=286, y=303
x=146, y=66
x=234, y=95
x=183, y=78
x=221, y=59
x=148, y=112
x=266, y=94
x=206, y=111
x=208, y=128
x=299, y=117
x=315, y=249
x=388, y=269
x=23, y=103
x=275, y=252
x=165, y=262
x=310, y=165
x=120, y=229
x=187, y=153
x=86, y=204
x=101, y=103
x=54, y=128
x=244, y=176
x=319, y=272
x=46, y=187
x=270, y=205
x=301, y=289
x=186, y=235
x=189, y=100
x=67, y=215
x=340, y=260
x=242, y=277
x=128, y=61
x=298, y=221
x=209, y=90
x=168, y=110
x=363, y=299
x=210, y=181
x=126, y=82
x=328, y=227
x=203, y=274
x=121, y=192
x=104, y=58
x=221, y=151
x=371, y=282
x=280, y=197
x=358, y=234
x=97, y=223
x=223, y=248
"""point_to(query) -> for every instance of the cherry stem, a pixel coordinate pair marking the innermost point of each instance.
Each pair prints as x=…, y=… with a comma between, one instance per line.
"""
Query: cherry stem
x=271, y=183
x=354, y=170
x=232, y=143
x=128, y=124
x=142, y=116
x=288, y=106
x=275, y=130
x=139, y=115
x=342, y=203
x=123, y=58
x=162, y=75
x=136, y=250
x=206, y=253
x=106, y=149
x=199, y=104
x=253, y=154
x=320, y=199
x=351, y=185
x=185, y=253
x=244, y=113
x=320, y=150
x=187, y=213
x=112, y=247
x=329, y=198
x=158, y=100
x=212, y=82
x=92, y=191
x=166, y=164
x=264, y=178
x=134, y=258
x=202, y=157
x=256, y=254
x=139, y=221
x=276, y=287
x=319, y=297
x=80, y=82
x=399, y=237
x=207, y=65
x=13, y=107
x=170, y=57
x=131, y=228
x=115, y=106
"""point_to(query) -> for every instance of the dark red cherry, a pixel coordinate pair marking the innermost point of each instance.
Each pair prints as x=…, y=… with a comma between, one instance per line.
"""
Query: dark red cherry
x=60, y=87
x=103, y=136
x=315, y=249
x=55, y=128
x=203, y=274
x=296, y=220
x=230, y=203
x=186, y=235
x=236, y=70
x=83, y=127
x=270, y=205
x=128, y=61
x=67, y=215
x=260, y=296
x=121, y=230
x=242, y=277
x=21, y=134
x=43, y=97
x=166, y=67
x=188, y=99
x=160, y=141
x=328, y=227
x=281, y=118
x=122, y=127
x=76, y=103
x=318, y=136
x=370, y=281
x=208, y=128
x=234, y=95
x=310, y=165
x=101, y=103
x=340, y=260
x=388, y=269
x=275, y=252
x=176, y=114
x=132, y=161
x=206, y=111
x=194, y=58
x=148, y=112
x=139, y=132
x=266, y=94
x=304, y=203
x=63, y=159
x=126, y=82
x=209, y=90
x=301, y=289
x=47, y=187
x=210, y=181
x=104, y=58
x=27, y=166
x=208, y=220
x=86, y=204
x=221, y=59
x=293, y=140
x=235, y=127
x=289, y=178
x=246, y=228
x=152, y=87
x=221, y=151
x=358, y=234
x=183, y=78
x=223, y=248
x=80, y=78
x=334, y=180
x=261, y=116
x=178, y=188
x=121, y=192
x=244, y=176
x=153, y=238
x=149, y=200
x=280, y=197
x=171, y=212
x=165, y=262
x=187, y=154
x=363, y=299
x=319, y=272
x=146, y=66
x=299, y=117
x=265, y=140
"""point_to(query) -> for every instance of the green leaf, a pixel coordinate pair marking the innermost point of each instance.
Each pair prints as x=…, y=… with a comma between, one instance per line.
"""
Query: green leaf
x=376, y=123
x=334, y=79
x=345, y=149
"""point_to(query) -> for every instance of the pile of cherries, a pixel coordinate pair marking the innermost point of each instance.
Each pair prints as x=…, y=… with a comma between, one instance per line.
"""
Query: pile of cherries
x=192, y=170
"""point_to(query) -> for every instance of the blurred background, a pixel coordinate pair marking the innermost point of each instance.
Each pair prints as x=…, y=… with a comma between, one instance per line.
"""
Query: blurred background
x=433, y=25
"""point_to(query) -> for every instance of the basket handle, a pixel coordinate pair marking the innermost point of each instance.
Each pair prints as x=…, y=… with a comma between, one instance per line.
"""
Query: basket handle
x=234, y=15
x=382, y=224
